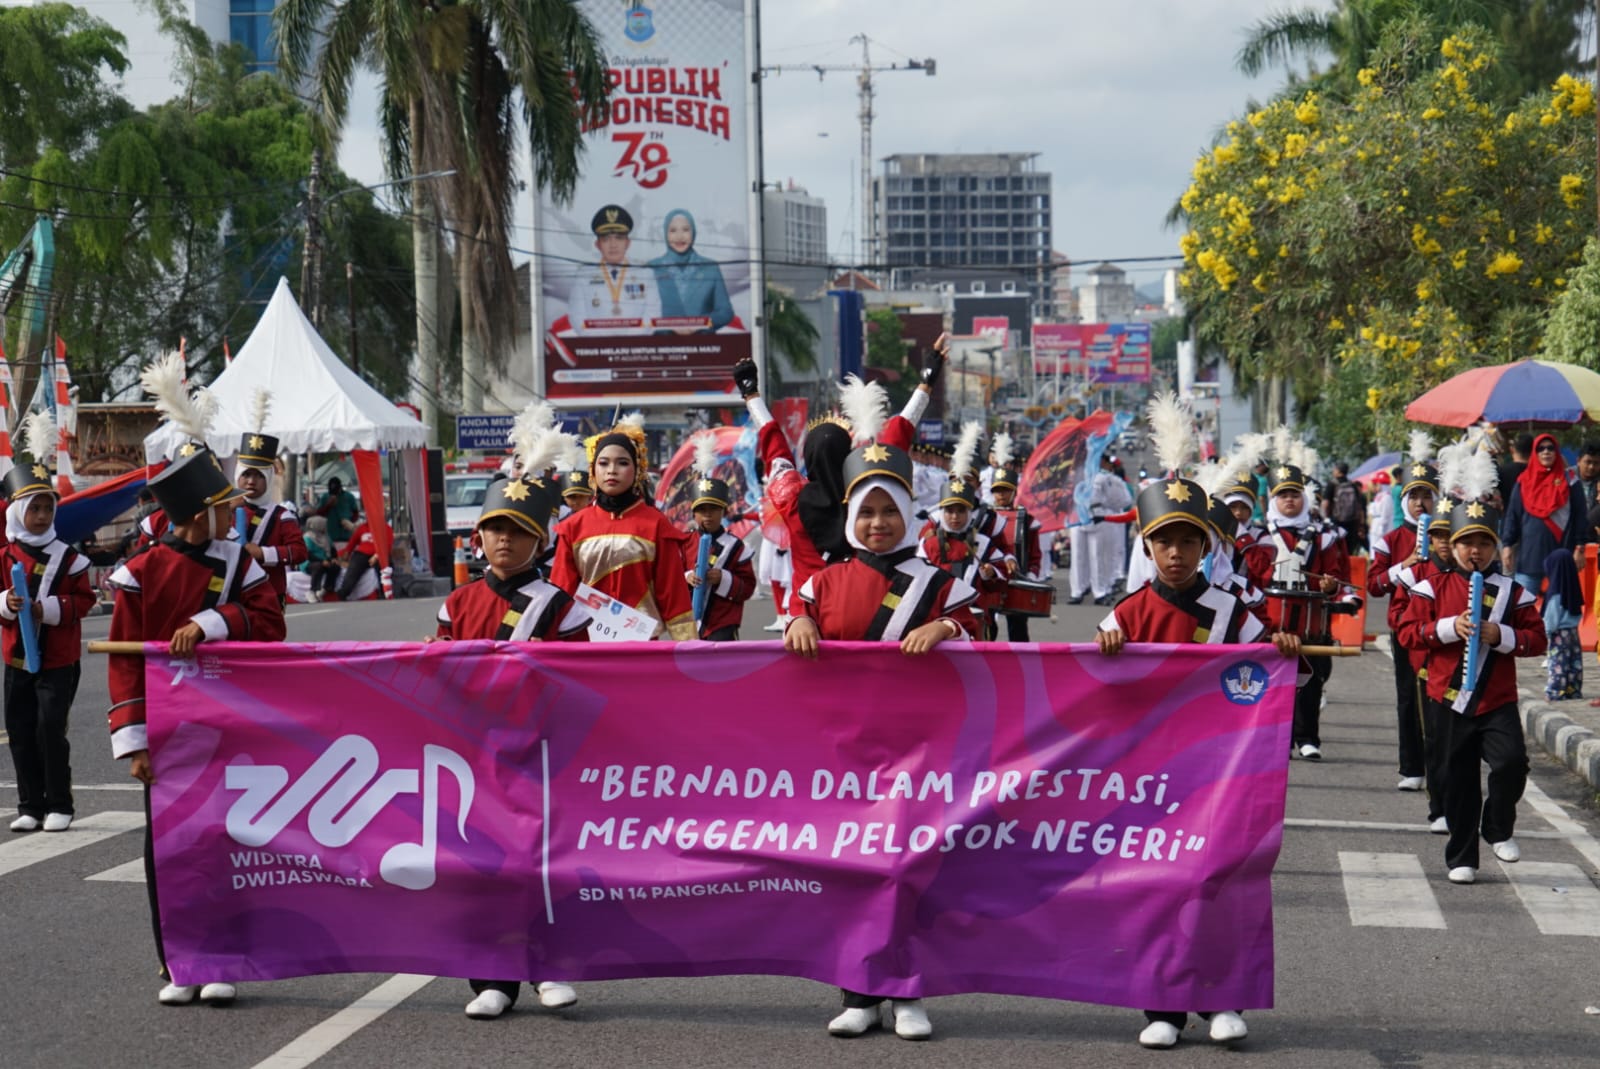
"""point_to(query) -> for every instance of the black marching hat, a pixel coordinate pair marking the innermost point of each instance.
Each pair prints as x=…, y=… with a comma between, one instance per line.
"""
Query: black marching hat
x=1286, y=477
x=611, y=219
x=574, y=482
x=958, y=491
x=1005, y=477
x=28, y=475
x=1222, y=520
x=528, y=502
x=191, y=484
x=712, y=492
x=1474, y=517
x=1420, y=473
x=1245, y=486
x=873, y=459
x=1173, y=500
x=257, y=450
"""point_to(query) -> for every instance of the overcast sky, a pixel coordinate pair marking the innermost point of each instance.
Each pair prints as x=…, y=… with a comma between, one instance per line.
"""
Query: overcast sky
x=1117, y=98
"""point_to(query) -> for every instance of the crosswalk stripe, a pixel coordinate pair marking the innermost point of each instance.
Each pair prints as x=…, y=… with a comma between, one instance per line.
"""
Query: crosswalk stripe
x=1388, y=891
x=128, y=785
x=38, y=846
x=321, y=1038
x=1559, y=897
x=128, y=872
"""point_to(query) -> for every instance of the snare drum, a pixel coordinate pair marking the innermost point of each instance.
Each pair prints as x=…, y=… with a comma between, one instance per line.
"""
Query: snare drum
x=1025, y=598
x=1307, y=613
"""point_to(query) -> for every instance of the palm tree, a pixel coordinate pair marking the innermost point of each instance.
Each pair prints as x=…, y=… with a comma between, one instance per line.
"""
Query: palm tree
x=451, y=76
x=790, y=331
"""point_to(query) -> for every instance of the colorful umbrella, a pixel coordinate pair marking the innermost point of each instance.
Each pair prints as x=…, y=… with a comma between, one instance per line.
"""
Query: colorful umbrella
x=1528, y=391
x=1373, y=465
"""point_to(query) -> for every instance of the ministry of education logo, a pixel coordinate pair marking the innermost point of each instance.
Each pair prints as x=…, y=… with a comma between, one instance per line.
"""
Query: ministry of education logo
x=1244, y=682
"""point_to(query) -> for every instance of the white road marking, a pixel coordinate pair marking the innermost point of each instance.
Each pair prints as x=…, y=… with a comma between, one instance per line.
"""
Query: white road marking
x=128, y=872
x=320, y=1039
x=308, y=612
x=1378, y=825
x=1388, y=891
x=1559, y=897
x=131, y=785
x=30, y=849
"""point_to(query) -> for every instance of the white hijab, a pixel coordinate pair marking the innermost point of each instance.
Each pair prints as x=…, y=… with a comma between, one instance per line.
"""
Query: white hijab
x=1279, y=519
x=16, y=532
x=902, y=501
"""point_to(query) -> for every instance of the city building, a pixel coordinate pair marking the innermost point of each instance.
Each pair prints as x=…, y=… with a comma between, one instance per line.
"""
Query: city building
x=1108, y=297
x=153, y=70
x=794, y=227
x=966, y=218
x=794, y=232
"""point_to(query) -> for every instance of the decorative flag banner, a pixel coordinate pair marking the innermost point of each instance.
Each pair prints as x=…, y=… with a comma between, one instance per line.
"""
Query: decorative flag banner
x=8, y=408
x=64, y=405
x=1036, y=820
x=736, y=464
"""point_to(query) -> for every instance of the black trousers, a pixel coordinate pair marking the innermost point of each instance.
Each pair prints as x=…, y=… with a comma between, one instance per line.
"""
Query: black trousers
x=358, y=566
x=1308, y=701
x=37, y=707
x=1494, y=739
x=511, y=988
x=150, y=885
x=1435, y=728
x=1408, y=713
x=722, y=634
x=1176, y=1020
x=855, y=1000
x=324, y=575
x=1016, y=627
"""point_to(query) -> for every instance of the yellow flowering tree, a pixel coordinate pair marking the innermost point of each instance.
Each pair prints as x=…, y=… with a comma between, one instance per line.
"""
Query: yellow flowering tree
x=1364, y=250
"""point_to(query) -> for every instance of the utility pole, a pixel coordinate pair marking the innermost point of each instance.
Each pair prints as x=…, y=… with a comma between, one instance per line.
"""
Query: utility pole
x=311, y=255
x=350, y=299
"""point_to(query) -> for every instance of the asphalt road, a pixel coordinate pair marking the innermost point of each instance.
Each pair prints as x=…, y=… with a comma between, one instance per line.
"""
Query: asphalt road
x=1396, y=969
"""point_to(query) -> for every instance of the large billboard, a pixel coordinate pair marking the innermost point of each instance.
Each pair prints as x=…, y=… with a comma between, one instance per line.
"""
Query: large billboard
x=1101, y=352
x=645, y=286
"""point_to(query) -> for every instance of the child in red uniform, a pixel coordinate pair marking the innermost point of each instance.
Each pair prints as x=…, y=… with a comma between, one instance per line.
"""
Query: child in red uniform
x=884, y=593
x=190, y=587
x=511, y=603
x=1436, y=560
x=623, y=546
x=38, y=703
x=1479, y=717
x=1395, y=551
x=1022, y=533
x=732, y=576
x=1178, y=605
x=274, y=539
x=957, y=545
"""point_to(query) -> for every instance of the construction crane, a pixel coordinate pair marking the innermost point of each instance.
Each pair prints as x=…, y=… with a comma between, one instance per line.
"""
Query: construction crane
x=863, y=72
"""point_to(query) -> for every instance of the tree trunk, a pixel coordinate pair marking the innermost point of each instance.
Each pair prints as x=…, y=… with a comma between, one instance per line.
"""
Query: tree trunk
x=425, y=282
x=473, y=365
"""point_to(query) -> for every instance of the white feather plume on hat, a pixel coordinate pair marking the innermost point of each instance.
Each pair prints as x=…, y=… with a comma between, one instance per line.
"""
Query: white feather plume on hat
x=865, y=406
x=705, y=454
x=39, y=435
x=1304, y=457
x=966, y=450
x=262, y=409
x=530, y=426
x=542, y=451
x=1282, y=443
x=1000, y=449
x=191, y=413
x=1421, y=445
x=1171, y=431
x=1452, y=468
x=1479, y=476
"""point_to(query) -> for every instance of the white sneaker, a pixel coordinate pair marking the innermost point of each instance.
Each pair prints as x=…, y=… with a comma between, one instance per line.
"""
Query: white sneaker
x=25, y=823
x=910, y=1019
x=57, y=821
x=1228, y=1026
x=1159, y=1035
x=1464, y=874
x=1506, y=850
x=1440, y=826
x=856, y=1021
x=489, y=1005
x=218, y=994
x=777, y=625
x=1310, y=752
x=555, y=995
x=178, y=994
x=1409, y=783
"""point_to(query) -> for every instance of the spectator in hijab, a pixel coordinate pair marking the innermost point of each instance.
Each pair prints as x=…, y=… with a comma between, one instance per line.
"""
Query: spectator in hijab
x=1541, y=515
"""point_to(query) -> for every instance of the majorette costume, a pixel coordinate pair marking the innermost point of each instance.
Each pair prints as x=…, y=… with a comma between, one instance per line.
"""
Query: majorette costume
x=812, y=506
x=874, y=597
x=57, y=587
x=1478, y=716
x=724, y=609
x=1390, y=555
x=213, y=585
x=273, y=525
x=624, y=547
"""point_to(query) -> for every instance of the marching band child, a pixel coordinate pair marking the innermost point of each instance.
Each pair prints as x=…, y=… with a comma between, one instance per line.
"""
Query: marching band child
x=1479, y=716
x=1396, y=550
x=955, y=540
x=274, y=539
x=1022, y=532
x=1436, y=559
x=731, y=575
x=883, y=593
x=625, y=547
x=511, y=603
x=58, y=592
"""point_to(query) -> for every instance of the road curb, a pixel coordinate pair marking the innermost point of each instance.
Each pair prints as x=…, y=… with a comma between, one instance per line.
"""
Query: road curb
x=1572, y=744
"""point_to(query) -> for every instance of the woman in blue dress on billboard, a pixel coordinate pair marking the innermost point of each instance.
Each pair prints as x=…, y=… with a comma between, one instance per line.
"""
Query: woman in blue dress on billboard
x=690, y=284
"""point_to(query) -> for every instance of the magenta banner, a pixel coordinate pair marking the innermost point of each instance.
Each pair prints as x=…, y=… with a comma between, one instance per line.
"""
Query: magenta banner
x=1038, y=820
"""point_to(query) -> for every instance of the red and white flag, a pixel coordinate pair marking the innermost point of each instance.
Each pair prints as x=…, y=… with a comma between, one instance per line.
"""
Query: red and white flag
x=8, y=409
x=66, y=407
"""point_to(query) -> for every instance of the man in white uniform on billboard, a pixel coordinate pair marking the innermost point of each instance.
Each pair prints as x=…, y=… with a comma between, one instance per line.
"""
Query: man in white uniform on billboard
x=614, y=296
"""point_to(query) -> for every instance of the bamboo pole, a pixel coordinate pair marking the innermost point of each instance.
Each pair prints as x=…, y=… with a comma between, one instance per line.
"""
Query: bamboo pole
x=1317, y=651
x=105, y=646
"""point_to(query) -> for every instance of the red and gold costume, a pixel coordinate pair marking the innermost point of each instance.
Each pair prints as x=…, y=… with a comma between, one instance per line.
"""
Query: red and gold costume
x=634, y=556
x=1388, y=557
x=173, y=583
x=1429, y=624
x=872, y=598
x=523, y=608
x=1202, y=614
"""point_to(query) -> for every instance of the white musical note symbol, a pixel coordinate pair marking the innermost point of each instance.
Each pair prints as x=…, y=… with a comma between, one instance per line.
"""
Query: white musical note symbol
x=412, y=865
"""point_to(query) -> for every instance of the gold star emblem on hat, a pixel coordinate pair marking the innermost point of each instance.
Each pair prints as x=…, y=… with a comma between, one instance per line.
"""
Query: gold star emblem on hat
x=1475, y=511
x=957, y=485
x=706, y=486
x=875, y=454
x=188, y=449
x=1178, y=492
x=40, y=472
x=1284, y=473
x=256, y=441
x=1418, y=470
x=517, y=491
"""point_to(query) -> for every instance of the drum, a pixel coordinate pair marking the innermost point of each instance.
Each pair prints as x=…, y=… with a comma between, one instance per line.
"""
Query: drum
x=1025, y=598
x=1307, y=613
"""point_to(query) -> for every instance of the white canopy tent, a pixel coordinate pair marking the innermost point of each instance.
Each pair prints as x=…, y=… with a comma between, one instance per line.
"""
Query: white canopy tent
x=318, y=404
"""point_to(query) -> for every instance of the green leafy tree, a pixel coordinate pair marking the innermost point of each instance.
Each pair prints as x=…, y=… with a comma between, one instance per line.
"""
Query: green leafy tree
x=1397, y=238
x=790, y=332
x=886, y=351
x=1573, y=333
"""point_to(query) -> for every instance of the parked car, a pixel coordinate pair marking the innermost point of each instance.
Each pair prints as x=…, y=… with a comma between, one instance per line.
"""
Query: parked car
x=463, y=500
